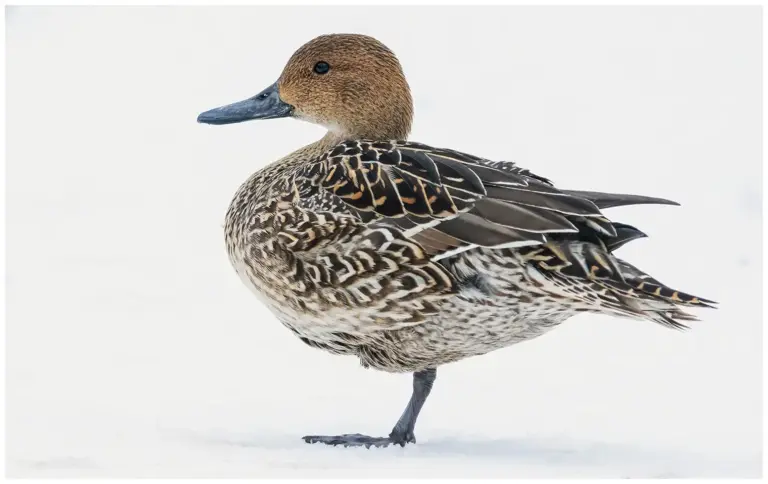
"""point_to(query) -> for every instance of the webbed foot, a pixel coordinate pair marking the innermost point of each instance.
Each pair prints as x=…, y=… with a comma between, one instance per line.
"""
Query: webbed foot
x=402, y=433
x=360, y=440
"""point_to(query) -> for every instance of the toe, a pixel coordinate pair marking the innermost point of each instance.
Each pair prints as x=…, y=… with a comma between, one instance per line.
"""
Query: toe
x=349, y=440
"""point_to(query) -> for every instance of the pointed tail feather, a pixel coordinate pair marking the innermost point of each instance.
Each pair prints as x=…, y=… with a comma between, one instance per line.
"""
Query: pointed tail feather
x=654, y=300
x=669, y=320
x=660, y=311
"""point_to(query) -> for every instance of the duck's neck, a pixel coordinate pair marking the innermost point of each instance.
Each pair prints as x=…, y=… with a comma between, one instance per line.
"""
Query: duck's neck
x=381, y=132
x=332, y=138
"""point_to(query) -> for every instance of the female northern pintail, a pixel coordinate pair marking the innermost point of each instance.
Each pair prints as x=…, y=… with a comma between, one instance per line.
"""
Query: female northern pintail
x=408, y=256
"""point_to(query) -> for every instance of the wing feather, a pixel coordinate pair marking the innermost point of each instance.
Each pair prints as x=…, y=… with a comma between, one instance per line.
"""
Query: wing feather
x=450, y=201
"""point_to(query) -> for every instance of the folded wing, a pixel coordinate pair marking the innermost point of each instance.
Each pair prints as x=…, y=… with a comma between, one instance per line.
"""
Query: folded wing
x=450, y=202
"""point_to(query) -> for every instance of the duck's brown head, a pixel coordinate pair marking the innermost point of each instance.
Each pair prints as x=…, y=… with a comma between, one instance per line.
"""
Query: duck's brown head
x=352, y=84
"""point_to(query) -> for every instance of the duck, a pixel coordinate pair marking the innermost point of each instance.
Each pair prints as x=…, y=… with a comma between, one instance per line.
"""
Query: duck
x=409, y=256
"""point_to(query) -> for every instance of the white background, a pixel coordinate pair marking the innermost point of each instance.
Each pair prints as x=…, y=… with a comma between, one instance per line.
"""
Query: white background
x=134, y=350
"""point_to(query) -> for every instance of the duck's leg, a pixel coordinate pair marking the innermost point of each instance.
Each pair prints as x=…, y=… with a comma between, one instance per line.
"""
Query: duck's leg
x=402, y=433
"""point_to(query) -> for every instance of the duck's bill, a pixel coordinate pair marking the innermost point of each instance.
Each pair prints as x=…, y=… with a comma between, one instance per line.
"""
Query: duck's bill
x=265, y=105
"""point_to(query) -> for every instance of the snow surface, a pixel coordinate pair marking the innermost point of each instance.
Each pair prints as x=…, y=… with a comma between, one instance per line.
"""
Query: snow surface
x=135, y=351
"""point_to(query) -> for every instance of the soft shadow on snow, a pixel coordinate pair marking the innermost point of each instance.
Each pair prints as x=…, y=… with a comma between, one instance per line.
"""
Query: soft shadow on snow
x=510, y=457
x=57, y=463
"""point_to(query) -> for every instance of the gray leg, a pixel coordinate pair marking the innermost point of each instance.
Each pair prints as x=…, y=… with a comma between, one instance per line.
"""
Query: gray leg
x=402, y=433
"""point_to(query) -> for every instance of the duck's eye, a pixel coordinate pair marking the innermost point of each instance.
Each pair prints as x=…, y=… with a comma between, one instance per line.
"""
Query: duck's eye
x=322, y=67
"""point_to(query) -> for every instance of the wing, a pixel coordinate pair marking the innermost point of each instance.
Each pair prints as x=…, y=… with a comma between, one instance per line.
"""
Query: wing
x=450, y=202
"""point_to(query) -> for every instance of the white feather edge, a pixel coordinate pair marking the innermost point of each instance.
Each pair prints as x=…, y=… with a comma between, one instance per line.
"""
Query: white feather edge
x=508, y=245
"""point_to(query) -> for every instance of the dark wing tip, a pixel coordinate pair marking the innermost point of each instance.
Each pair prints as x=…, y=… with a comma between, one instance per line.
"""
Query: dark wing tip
x=609, y=200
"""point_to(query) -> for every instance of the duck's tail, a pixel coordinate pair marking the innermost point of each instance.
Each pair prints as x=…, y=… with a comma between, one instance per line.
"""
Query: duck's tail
x=638, y=292
x=586, y=276
x=582, y=271
x=649, y=299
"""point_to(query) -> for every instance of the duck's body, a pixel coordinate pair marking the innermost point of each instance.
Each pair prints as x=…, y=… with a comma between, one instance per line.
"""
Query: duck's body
x=410, y=257
x=434, y=304
x=340, y=319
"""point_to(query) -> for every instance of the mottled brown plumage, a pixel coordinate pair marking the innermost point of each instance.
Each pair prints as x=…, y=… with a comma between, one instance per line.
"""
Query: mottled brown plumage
x=409, y=256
